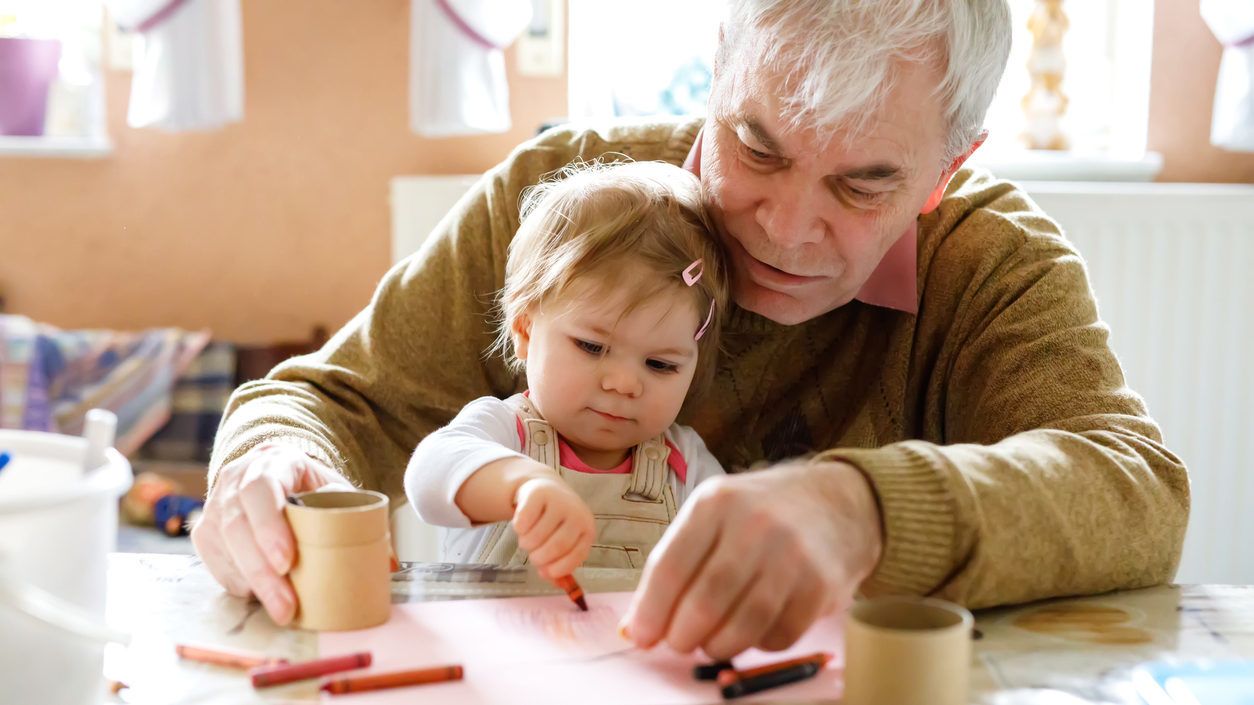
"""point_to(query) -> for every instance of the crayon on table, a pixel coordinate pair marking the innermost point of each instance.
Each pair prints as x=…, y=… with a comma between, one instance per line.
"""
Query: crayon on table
x=573, y=591
x=821, y=658
x=267, y=676
x=710, y=671
x=771, y=679
x=395, y=679
x=225, y=657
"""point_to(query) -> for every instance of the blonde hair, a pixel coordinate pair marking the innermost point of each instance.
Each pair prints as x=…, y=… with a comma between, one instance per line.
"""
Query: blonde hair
x=593, y=219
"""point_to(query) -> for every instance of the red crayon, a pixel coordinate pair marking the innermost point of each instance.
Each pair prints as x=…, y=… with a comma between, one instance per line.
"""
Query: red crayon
x=225, y=657
x=267, y=676
x=573, y=591
x=395, y=679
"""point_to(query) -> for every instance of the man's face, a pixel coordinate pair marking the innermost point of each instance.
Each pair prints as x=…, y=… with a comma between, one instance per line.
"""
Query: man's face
x=807, y=220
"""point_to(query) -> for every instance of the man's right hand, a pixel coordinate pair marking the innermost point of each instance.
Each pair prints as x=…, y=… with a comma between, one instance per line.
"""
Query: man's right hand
x=243, y=536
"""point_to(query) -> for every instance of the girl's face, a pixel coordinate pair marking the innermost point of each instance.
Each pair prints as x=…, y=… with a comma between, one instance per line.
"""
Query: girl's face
x=607, y=381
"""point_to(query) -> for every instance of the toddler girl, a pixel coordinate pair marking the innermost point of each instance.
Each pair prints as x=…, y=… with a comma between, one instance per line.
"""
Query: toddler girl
x=613, y=292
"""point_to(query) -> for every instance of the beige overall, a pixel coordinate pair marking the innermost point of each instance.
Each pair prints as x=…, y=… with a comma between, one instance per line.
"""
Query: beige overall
x=632, y=510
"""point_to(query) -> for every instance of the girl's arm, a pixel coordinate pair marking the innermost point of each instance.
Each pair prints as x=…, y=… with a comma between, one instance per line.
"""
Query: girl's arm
x=483, y=434
x=491, y=493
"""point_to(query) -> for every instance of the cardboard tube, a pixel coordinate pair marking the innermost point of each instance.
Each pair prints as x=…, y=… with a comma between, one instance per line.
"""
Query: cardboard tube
x=342, y=571
x=907, y=651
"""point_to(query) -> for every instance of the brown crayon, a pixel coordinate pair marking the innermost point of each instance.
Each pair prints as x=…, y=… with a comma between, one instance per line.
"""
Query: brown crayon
x=772, y=679
x=267, y=676
x=710, y=671
x=225, y=657
x=728, y=676
x=573, y=591
x=395, y=679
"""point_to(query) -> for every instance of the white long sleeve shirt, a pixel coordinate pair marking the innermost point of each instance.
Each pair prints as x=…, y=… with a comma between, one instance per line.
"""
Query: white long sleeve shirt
x=485, y=431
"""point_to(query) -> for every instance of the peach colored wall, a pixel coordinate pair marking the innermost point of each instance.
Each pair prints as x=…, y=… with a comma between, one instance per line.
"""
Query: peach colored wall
x=1182, y=90
x=258, y=231
x=264, y=229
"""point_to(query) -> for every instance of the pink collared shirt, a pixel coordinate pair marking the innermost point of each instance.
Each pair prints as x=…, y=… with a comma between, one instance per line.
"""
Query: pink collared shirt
x=893, y=284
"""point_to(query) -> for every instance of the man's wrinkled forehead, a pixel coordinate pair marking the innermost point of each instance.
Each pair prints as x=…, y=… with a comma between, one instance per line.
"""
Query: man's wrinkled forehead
x=885, y=134
x=862, y=156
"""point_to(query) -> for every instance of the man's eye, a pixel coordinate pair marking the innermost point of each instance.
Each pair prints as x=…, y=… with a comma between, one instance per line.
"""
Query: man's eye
x=865, y=197
x=589, y=347
x=662, y=366
x=757, y=155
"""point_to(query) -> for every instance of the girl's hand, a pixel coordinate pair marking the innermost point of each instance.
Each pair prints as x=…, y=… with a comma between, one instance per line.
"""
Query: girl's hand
x=554, y=525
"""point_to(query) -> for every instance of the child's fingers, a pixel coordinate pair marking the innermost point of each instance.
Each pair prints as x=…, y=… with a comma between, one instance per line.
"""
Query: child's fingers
x=566, y=564
x=563, y=540
x=540, y=531
x=527, y=514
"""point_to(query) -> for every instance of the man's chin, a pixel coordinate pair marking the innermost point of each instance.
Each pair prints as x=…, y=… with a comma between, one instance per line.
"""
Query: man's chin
x=784, y=309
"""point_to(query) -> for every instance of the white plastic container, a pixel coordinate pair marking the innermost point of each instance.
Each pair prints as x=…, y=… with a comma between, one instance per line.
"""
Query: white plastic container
x=58, y=522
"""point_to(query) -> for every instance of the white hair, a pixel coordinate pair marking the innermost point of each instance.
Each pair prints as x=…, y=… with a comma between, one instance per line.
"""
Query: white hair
x=839, y=55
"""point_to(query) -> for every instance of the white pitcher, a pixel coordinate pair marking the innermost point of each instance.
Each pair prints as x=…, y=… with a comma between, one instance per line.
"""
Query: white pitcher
x=58, y=522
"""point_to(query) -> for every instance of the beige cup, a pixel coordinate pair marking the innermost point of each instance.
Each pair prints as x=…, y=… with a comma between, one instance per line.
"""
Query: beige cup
x=907, y=651
x=342, y=571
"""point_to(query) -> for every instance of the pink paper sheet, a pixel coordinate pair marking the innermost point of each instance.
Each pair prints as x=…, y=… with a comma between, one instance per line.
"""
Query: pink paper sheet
x=543, y=650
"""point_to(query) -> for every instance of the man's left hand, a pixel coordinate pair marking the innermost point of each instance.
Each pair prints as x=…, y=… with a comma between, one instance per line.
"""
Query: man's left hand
x=754, y=559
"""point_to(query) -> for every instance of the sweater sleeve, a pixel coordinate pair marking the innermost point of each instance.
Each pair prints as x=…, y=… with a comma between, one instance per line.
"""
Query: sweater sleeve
x=484, y=432
x=408, y=362
x=1050, y=478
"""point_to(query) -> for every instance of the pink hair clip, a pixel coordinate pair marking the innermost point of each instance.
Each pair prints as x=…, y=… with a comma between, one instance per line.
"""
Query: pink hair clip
x=690, y=279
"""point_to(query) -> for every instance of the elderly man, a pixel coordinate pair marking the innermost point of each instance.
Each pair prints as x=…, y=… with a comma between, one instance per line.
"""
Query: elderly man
x=915, y=349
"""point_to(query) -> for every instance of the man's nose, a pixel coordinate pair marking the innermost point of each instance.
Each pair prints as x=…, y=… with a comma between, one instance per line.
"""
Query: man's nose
x=789, y=217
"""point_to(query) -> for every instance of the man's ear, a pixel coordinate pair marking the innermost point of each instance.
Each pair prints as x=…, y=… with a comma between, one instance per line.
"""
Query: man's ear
x=521, y=330
x=934, y=199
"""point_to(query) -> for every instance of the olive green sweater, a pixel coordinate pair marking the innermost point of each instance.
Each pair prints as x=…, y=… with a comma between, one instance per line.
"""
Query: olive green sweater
x=1010, y=460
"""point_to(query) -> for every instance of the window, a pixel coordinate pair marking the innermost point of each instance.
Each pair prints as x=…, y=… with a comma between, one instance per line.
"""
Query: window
x=654, y=60
x=51, y=86
x=1107, y=49
x=657, y=60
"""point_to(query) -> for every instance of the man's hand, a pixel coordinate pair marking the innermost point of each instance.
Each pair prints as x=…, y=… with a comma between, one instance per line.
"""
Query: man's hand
x=755, y=559
x=243, y=536
x=554, y=525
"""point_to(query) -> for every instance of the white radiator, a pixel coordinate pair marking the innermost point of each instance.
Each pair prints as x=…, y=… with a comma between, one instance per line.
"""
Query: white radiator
x=1170, y=264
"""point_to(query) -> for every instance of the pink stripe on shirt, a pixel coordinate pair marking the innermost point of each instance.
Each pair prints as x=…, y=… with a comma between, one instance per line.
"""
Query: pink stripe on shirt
x=570, y=460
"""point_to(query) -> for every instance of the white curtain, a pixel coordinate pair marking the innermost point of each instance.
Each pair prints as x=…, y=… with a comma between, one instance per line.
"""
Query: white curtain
x=457, y=65
x=189, y=73
x=1232, y=122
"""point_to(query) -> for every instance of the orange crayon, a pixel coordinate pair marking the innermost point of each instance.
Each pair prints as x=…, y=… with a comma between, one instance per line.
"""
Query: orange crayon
x=774, y=678
x=729, y=676
x=225, y=657
x=395, y=679
x=573, y=591
x=267, y=676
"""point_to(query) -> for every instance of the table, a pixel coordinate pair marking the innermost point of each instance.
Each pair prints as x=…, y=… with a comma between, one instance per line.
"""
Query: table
x=1056, y=652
